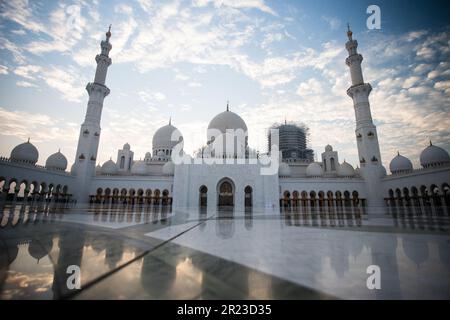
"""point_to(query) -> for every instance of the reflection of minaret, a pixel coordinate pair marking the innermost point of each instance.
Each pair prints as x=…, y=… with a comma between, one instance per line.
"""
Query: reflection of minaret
x=114, y=252
x=415, y=249
x=71, y=247
x=157, y=277
x=8, y=253
x=384, y=254
x=88, y=141
x=366, y=131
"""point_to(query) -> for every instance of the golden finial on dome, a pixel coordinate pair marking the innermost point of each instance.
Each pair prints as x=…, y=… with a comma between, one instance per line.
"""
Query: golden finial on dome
x=349, y=32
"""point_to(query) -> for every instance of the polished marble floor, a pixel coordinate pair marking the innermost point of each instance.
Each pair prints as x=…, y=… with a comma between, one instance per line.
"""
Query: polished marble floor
x=136, y=252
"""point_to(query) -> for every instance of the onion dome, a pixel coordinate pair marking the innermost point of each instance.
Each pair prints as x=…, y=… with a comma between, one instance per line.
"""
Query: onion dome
x=346, y=170
x=139, y=168
x=224, y=121
x=162, y=139
x=400, y=164
x=314, y=170
x=25, y=152
x=227, y=120
x=284, y=170
x=169, y=168
x=56, y=161
x=328, y=148
x=434, y=156
x=126, y=146
x=109, y=168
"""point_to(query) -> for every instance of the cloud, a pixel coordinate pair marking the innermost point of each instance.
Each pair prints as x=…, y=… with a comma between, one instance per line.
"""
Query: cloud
x=237, y=4
x=151, y=96
x=28, y=71
x=68, y=82
x=67, y=27
x=3, y=69
x=14, y=49
x=26, y=84
x=48, y=131
x=312, y=86
x=195, y=84
x=333, y=22
x=21, y=12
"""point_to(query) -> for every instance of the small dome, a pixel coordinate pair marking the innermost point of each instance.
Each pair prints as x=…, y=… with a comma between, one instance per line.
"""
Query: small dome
x=169, y=168
x=163, y=137
x=433, y=156
x=139, y=168
x=56, y=161
x=400, y=164
x=346, y=170
x=314, y=170
x=148, y=155
x=357, y=171
x=284, y=170
x=328, y=148
x=25, y=152
x=126, y=146
x=109, y=168
x=226, y=120
x=98, y=169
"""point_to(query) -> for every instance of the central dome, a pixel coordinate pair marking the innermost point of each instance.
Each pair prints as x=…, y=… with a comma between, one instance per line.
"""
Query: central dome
x=227, y=120
x=163, y=137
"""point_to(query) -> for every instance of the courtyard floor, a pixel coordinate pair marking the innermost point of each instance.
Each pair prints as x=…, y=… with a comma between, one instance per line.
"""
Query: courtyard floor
x=151, y=253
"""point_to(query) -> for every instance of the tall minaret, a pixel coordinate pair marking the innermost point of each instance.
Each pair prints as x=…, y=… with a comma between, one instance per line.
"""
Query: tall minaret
x=366, y=132
x=88, y=141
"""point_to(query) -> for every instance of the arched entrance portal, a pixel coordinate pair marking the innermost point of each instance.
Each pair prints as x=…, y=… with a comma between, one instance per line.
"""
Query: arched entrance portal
x=226, y=193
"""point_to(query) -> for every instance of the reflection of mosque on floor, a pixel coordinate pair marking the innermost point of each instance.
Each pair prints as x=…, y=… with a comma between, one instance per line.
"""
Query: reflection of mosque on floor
x=158, y=274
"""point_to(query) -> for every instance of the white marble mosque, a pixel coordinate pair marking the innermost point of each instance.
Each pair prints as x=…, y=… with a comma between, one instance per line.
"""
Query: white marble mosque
x=228, y=222
x=230, y=176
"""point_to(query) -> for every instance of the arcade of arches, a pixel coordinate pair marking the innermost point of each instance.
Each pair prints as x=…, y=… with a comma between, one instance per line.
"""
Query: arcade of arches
x=320, y=202
x=34, y=192
x=132, y=196
x=419, y=200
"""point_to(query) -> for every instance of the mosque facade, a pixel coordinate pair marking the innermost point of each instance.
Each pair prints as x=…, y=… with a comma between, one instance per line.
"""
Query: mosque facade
x=226, y=171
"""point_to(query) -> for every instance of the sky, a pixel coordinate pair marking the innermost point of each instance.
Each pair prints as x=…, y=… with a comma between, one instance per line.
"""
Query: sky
x=273, y=60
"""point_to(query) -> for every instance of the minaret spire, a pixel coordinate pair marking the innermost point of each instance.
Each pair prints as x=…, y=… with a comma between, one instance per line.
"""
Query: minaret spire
x=228, y=107
x=349, y=32
x=88, y=141
x=366, y=131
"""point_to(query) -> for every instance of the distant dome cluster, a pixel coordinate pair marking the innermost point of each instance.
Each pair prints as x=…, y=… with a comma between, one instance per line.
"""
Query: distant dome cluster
x=27, y=153
x=431, y=156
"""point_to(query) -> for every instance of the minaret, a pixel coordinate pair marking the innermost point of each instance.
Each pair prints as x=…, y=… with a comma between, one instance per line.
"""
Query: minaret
x=88, y=141
x=366, y=132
